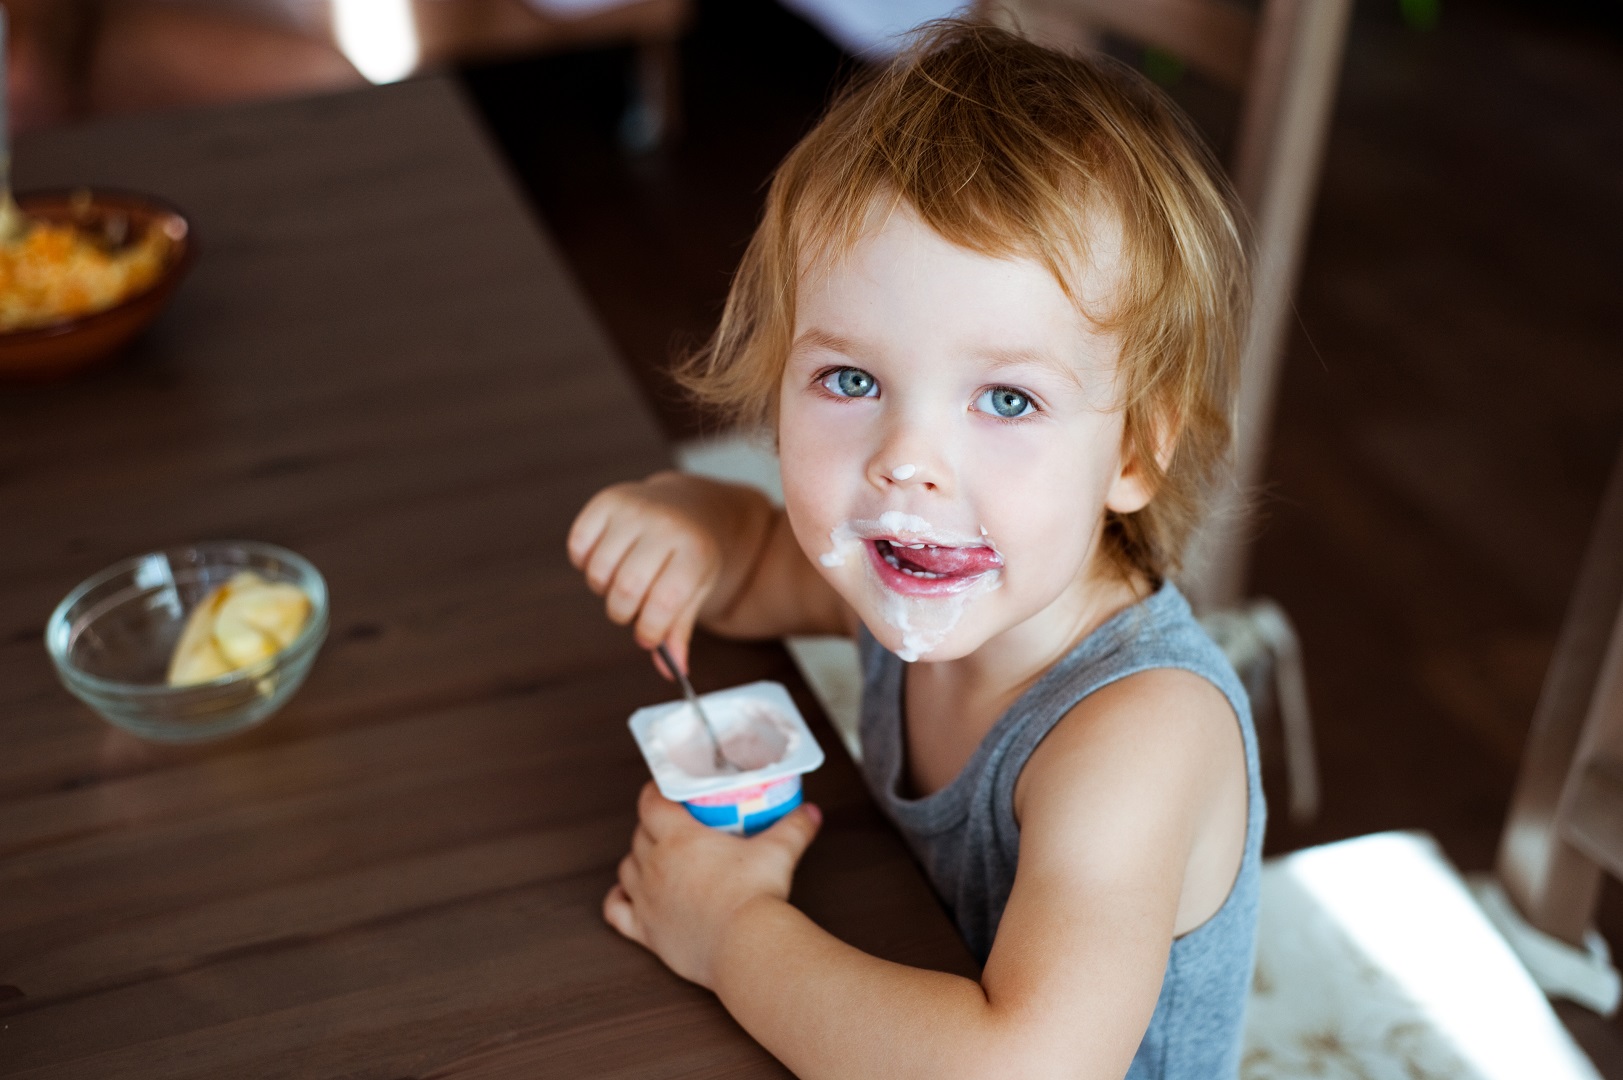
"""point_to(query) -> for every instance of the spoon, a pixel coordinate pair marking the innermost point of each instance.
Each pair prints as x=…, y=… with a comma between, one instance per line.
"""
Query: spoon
x=693, y=700
x=12, y=223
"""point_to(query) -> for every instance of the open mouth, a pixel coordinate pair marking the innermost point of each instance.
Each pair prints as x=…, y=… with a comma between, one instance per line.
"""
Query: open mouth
x=920, y=567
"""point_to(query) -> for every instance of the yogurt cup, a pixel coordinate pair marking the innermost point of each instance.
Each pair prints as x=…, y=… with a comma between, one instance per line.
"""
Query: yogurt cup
x=760, y=729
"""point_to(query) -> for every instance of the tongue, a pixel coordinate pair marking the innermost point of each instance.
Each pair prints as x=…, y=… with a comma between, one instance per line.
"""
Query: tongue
x=952, y=561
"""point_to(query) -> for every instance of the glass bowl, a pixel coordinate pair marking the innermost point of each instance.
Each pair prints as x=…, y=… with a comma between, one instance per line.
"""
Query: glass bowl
x=112, y=637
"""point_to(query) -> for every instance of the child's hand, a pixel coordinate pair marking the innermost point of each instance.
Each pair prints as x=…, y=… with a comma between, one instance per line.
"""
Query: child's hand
x=683, y=881
x=659, y=549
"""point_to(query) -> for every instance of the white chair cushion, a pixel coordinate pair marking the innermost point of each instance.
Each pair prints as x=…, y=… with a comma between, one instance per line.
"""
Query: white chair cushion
x=1374, y=963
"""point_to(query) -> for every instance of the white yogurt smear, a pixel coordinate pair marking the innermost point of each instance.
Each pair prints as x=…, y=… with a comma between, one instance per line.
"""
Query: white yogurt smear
x=842, y=541
x=845, y=539
x=924, y=622
x=904, y=472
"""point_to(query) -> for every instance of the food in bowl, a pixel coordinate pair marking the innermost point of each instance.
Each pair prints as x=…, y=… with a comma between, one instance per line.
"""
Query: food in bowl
x=125, y=226
x=60, y=271
x=241, y=622
x=112, y=640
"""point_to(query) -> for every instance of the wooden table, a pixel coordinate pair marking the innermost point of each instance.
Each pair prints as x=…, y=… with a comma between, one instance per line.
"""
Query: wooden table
x=381, y=363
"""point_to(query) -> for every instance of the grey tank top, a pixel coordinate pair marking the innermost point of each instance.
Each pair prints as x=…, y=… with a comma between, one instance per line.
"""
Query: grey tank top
x=967, y=839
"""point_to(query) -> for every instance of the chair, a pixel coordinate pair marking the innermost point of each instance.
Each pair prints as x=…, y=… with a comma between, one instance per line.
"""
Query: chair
x=1374, y=956
x=1565, y=827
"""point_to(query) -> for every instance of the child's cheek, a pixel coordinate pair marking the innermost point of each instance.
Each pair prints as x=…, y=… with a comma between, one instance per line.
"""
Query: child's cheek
x=812, y=506
x=1040, y=499
x=821, y=467
x=807, y=527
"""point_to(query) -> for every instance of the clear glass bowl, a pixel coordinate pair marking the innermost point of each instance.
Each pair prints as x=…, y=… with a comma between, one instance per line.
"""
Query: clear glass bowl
x=112, y=637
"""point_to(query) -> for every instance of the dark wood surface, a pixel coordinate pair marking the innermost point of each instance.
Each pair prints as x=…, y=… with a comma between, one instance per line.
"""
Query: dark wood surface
x=380, y=362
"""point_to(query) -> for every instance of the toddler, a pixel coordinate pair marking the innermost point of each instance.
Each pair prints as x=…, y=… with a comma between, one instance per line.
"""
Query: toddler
x=992, y=314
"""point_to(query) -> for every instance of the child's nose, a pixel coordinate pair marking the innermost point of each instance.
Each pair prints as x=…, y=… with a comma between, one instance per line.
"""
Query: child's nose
x=914, y=450
x=903, y=475
x=904, y=462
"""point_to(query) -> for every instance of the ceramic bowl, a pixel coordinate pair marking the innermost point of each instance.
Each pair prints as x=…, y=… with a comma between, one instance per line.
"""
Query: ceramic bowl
x=65, y=347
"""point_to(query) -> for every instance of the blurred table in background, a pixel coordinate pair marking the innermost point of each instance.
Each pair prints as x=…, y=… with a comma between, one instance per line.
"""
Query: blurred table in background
x=381, y=363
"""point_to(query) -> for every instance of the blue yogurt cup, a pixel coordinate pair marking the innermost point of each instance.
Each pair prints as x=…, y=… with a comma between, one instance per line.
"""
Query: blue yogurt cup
x=760, y=728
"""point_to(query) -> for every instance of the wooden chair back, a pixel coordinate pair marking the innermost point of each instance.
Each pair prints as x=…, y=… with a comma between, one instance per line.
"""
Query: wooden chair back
x=1565, y=828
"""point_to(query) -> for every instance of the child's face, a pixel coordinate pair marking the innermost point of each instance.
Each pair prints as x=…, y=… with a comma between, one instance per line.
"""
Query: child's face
x=939, y=397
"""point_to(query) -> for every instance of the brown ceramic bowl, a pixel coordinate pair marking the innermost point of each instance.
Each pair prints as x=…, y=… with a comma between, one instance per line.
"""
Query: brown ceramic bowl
x=48, y=352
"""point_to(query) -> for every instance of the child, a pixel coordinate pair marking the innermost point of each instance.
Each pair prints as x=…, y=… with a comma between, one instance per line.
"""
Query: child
x=992, y=315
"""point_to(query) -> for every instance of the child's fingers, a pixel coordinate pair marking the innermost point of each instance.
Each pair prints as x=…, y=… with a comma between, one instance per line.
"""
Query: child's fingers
x=635, y=576
x=618, y=913
x=658, y=814
x=678, y=586
x=611, y=547
x=795, y=831
x=680, y=635
x=642, y=844
x=659, y=665
x=589, y=526
x=629, y=874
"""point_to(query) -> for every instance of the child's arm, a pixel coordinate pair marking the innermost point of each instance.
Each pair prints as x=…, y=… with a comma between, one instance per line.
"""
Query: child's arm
x=674, y=549
x=1110, y=807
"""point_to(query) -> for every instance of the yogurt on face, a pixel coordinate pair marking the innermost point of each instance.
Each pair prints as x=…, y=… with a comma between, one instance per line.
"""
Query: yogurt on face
x=846, y=539
x=925, y=611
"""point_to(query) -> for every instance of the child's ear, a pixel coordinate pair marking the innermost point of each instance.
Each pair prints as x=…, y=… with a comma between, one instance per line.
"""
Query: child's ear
x=1139, y=476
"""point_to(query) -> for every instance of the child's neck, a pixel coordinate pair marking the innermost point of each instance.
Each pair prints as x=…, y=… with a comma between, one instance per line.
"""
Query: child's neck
x=952, y=704
x=1011, y=662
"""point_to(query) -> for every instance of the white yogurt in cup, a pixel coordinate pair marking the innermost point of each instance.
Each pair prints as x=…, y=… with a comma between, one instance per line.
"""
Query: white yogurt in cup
x=761, y=732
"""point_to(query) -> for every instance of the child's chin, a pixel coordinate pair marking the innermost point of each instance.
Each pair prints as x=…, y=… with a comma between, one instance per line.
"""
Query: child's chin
x=922, y=649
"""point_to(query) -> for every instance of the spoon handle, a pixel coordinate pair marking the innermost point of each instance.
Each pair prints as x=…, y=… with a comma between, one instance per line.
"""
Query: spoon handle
x=693, y=700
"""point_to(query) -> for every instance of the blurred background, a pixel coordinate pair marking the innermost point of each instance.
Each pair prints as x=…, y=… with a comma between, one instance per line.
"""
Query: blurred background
x=1451, y=399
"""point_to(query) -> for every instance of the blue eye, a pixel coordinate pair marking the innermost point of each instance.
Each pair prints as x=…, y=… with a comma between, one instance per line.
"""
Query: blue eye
x=1005, y=403
x=850, y=382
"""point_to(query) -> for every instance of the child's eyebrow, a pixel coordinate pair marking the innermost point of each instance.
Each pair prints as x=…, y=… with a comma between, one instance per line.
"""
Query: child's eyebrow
x=997, y=357
x=1007, y=357
x=815, y=338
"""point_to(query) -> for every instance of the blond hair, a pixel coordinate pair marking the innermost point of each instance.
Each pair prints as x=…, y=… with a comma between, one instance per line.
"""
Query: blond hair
x=1007, y=149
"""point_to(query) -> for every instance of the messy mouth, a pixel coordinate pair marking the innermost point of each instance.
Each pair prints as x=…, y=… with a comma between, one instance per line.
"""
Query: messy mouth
x=926, y=577
x=924, y=562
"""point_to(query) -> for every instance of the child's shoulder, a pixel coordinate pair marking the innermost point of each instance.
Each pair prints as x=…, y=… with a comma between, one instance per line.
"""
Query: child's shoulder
x=1157, y=733
x=1153, y=729
x=1152, y=666
x=1144, y=780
